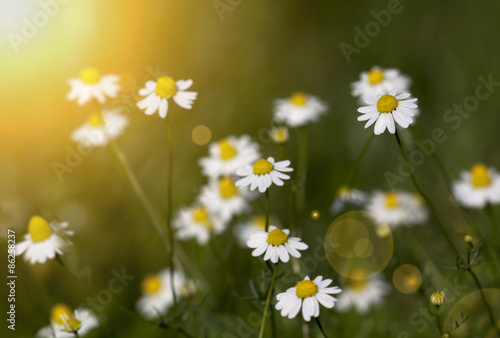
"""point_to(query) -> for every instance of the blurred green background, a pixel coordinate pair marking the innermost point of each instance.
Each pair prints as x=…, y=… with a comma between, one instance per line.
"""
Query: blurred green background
x=257, y=52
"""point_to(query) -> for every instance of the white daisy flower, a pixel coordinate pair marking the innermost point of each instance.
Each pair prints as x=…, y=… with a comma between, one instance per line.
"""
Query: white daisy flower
x=276, y=244
x=307, y=295
x=91, y=85
x=43, y=240
x=477, y=187
x=96, y=130
x=64, y=322
x=199, y=223
x=362, y=293
x=347, y=196
x=157, y=295
x=298, y=110
x=379, y=80
x=263, y=173
x=389, y=208
x=244, y=230
x=386, y=108
x=229, y=154
x=222, y=197
x=157, y=95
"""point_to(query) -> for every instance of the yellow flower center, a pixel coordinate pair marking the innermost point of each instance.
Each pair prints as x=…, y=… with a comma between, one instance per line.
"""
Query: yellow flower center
x=227, y=187
x=227, y=151
x=95, y=120
x=166, y=87
x=480, y=176
x=280, y=135
x=151, y=284
x=200, y=215
x=262, y=167
x=391, y=200
x=437, y=299
x=60, y=311
x=387, y=103
x=298, y=99
x=343, y=191
x=306, y=288
x=90, y=75
x=276, y=237
x=357, y=279
x=72, y=324
x=375, y=76
x=260, y=221
x=39, y=229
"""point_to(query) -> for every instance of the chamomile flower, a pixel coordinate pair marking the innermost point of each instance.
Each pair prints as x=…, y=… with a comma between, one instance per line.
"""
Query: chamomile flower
x=263, y=173
x=64, y=322
x=244, y=230
x=199, y=223
x=379, y=80
x=91, y=85
x=279, y=135
x=437, y=298
x=347, y=196
x=99, y=127
x=307, y=295
x=298, y=110
x=43, y=240
x=275, y=244
x=229, y=154
x=361, y=292
x=388, y=108
x=222, y=197
x=396, y=208
x=157, y=95
x=157, y=295
x=477, y=187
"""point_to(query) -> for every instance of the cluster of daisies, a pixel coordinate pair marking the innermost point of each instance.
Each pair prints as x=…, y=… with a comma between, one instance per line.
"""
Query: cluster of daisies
x=236, y=173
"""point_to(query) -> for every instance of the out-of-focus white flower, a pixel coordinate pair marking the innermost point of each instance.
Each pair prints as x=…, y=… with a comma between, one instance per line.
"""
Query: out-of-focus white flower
x=64, y=323
x=379, y=80
x=298, y=110
x=347, y=196
x=199, y=223
x=91, y=85
x=229, y=154
x=397, y=208
x=43, y=240
x=478, y=187
x=362, y=293
x=98, y=128
x=157, y=296
x=222, y=197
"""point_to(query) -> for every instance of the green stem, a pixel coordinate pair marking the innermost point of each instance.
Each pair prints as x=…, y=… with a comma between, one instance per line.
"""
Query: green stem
x=302, y=167
x=140, y=193
x=170, y=160
x=427, y=200
x=321, y=327
x=268, y=300
x=443, y=231
x=267, y=209
x=355, y=166
x=485, y=301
